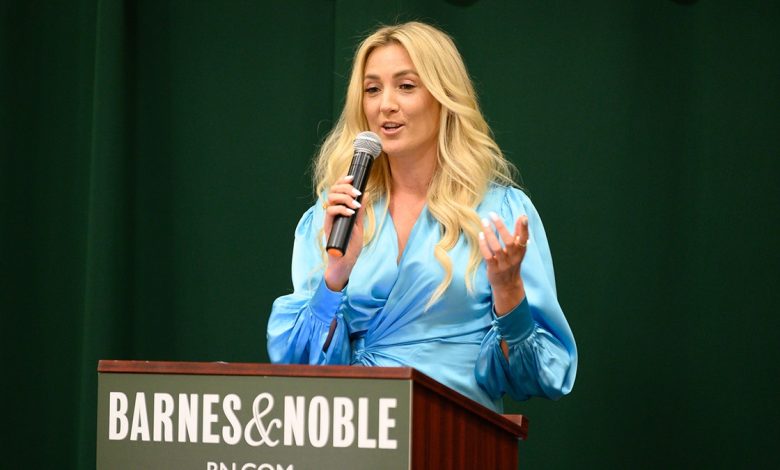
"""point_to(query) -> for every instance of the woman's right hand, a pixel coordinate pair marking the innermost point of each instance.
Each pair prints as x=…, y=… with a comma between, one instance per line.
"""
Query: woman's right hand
x=342, y=201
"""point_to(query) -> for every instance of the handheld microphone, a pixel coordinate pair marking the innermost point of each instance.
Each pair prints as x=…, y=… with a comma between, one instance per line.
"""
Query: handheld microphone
x=367, y=148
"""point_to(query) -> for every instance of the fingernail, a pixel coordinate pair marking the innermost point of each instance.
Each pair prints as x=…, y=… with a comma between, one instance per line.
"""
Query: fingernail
x=525, y=221
x=356, y=204
x=485, y=223
x=349, y=177
x=350, y=211
x=494, y=216
x=356, y=192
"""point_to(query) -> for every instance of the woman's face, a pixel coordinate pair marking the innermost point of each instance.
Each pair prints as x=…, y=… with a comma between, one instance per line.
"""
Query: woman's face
x=397, y=105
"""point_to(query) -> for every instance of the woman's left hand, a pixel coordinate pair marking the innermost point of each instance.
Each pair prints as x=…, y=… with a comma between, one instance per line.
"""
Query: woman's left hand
x=503, y=260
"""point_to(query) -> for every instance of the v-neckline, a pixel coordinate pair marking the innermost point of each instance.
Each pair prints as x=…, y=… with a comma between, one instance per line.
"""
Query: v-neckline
x=400, y=255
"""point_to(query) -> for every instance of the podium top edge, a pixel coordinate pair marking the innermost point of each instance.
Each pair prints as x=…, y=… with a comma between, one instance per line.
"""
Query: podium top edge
x=246, y=368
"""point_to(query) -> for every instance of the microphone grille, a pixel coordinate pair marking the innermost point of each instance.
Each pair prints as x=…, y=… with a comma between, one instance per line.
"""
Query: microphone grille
x=369, y=143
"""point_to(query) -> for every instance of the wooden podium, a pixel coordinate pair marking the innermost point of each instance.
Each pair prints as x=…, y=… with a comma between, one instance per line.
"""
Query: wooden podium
x=160, y=414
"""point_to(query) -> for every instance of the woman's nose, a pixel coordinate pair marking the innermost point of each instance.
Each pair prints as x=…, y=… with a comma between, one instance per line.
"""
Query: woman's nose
x=389, y=103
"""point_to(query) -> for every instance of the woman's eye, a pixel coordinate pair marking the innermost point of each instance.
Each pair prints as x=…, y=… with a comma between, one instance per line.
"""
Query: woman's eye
x=407, y=86
x=372, y=89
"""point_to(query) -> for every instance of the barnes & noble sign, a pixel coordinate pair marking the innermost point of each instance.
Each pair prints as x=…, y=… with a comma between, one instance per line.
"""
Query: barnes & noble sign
x=206, y=422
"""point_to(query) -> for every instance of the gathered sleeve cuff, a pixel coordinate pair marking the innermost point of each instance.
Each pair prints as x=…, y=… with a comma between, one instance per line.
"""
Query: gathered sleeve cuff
x=515, y=326
x=325, y=302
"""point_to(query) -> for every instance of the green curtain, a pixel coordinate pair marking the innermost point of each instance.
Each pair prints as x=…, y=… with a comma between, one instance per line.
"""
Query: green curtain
x=154, y=160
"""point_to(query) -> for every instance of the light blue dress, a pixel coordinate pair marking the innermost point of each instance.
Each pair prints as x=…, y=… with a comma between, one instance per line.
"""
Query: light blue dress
x=382, y=321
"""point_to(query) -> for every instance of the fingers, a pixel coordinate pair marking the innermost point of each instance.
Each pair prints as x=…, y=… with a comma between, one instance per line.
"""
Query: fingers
x=521, y=237
x=343, y=193
x=484, y=249
x=338, y=209
x=356, y=238
x=503, y=232
x=489, y=236
x=497, y=243
x=361, y=210
x=342, y=198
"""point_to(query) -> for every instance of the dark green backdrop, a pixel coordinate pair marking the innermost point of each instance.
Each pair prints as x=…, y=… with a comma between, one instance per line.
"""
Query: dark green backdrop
x=154, y=161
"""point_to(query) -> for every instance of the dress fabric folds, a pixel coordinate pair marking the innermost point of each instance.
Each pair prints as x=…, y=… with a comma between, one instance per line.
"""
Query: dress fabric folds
x=382, y=320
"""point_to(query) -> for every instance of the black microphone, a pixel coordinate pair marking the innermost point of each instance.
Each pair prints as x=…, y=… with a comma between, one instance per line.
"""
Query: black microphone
x=367, y=148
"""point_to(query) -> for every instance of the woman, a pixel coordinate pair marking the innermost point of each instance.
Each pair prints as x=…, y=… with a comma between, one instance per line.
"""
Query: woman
x=433, y=278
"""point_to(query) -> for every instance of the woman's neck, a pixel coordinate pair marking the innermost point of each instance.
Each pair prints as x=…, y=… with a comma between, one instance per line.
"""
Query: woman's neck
x=411, y=177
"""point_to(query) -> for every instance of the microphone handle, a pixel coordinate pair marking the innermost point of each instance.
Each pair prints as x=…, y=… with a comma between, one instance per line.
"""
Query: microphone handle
x=342, y=225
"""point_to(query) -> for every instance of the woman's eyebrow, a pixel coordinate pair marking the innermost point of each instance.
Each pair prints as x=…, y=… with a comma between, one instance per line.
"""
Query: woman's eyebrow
x=395, y=75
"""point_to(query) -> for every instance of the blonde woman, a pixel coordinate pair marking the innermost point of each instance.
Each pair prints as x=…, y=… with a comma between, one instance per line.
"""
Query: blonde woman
x=448, y=268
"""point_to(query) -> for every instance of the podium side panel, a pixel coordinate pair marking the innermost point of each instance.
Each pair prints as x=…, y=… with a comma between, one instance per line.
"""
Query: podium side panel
x=446, y=436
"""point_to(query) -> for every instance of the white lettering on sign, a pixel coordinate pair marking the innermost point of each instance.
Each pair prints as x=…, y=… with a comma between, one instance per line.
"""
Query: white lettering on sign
x=231, y=434
x=212, y=419
x=319, y=421
x=294, y=420
x=188, y=418
x=364, y=442
x=117, y=416
x=246, y=466
x=209, y=418
x=258, y=424
x=163, y=424
x=386, y=423
x=343, y=429
x=140, y=425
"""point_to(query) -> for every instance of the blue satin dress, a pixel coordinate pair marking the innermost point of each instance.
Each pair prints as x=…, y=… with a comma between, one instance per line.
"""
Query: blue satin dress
x=382, y=318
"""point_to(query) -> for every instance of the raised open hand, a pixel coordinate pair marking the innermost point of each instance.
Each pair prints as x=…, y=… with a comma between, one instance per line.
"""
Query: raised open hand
x=503, y=255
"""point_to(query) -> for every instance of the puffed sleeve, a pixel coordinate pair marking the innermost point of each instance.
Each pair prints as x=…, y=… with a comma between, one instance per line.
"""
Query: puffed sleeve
x=300, y=322
x=542, y=352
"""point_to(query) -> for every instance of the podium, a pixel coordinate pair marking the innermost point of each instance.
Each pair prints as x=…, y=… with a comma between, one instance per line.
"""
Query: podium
x=237, y=416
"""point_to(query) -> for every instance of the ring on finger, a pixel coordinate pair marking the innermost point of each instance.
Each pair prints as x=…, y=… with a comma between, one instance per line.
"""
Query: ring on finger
x=517, y=242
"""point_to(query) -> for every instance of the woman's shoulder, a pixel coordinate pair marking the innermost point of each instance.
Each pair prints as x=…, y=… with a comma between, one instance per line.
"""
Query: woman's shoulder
x=501, y=198
x=311, y=219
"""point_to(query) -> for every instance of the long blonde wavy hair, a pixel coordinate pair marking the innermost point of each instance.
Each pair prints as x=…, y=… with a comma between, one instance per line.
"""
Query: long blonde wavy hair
x=468, y=158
